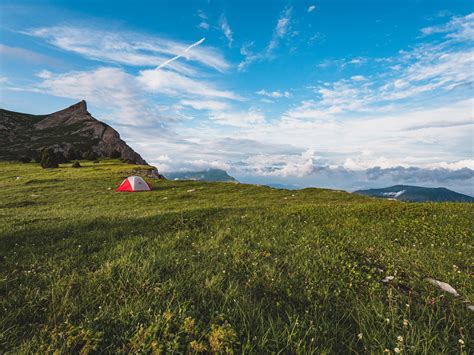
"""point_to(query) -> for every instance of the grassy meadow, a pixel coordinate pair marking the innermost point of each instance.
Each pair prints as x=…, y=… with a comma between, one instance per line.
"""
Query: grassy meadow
x=222, y=267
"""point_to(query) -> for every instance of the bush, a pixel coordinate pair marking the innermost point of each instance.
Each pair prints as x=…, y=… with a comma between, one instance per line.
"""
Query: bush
x=76, y=164
x=72, y=154
x=115, y=154
x=49, y=159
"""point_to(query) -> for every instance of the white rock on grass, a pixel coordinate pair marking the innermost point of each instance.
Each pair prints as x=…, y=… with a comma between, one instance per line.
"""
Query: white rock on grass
x=387, y=279
x=444, y=286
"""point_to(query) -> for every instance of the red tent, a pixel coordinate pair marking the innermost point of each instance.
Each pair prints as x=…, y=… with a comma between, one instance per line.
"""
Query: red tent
x=133, y=184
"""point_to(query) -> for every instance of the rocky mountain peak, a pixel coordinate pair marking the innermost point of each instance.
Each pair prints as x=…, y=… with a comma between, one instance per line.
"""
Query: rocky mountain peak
x=70, y=132
x=80, y=107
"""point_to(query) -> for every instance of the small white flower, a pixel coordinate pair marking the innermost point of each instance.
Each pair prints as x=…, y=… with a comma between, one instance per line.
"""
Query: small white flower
x=397, y=350
x=387, y=320
x=400, y=338
x=359, y=335
x=460, y=341
x=405, y=322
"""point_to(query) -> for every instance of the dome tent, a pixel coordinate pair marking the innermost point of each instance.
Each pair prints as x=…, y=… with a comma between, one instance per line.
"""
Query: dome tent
x=133, y=184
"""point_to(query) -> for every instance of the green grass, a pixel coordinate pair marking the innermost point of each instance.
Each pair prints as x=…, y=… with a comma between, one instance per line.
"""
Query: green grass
x=194, y=266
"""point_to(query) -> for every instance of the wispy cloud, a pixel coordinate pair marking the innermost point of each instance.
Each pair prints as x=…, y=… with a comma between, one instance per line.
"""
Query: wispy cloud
x=311, y=8
x=459, y=28
x=127, y=47
x=204, y=25
x=280, y=31
x=224, y=25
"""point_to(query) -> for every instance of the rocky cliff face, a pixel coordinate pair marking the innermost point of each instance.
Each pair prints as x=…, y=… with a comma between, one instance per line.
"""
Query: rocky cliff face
x=72, y=132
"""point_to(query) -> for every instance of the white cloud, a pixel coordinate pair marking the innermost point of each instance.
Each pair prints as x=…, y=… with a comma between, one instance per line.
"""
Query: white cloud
x=209, y=105
x=273, y=94
x=249, y=56
x=311, y=8
x=44, y=74
x=203, y=25
x=174, y=84
x=281, y=30
x=238, y=118
x=459, y=28
x=162, y=158
x=224, y=25
x=358, y=78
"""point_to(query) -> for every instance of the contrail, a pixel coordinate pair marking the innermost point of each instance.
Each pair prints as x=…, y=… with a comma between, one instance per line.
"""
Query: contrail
x=182, y=54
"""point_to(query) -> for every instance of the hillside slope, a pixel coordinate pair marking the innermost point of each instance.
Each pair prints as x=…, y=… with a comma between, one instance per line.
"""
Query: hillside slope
x=417, y=194
x=71, y=132
x=195, y=266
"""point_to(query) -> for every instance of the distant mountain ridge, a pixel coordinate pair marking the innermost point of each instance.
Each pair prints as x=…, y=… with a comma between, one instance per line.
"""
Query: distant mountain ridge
x=71, y=132
x=213, y=175
x=417, y=194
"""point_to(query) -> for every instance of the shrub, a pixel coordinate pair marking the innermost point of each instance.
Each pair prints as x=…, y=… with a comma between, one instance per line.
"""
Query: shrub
x=72, y=154
x=49, y=159
x=76, y=164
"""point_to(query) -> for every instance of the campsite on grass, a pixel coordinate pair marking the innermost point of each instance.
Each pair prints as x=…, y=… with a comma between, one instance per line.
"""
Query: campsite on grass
x=237, y=177
x=197, y=266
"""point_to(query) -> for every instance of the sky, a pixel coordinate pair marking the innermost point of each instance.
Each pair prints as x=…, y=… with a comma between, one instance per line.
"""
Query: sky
x=337, y=94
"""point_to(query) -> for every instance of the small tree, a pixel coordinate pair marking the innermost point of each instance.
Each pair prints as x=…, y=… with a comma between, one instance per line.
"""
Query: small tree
x=48, y=159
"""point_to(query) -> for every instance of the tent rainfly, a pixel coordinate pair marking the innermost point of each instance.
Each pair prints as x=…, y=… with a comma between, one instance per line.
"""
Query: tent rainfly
x=133, y=184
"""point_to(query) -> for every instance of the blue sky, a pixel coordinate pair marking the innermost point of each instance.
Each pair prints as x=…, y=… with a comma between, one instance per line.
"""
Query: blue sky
x=340, y=94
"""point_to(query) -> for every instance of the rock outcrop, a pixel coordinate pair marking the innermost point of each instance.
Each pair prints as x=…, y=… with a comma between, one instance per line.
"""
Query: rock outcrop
x=71, y=132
